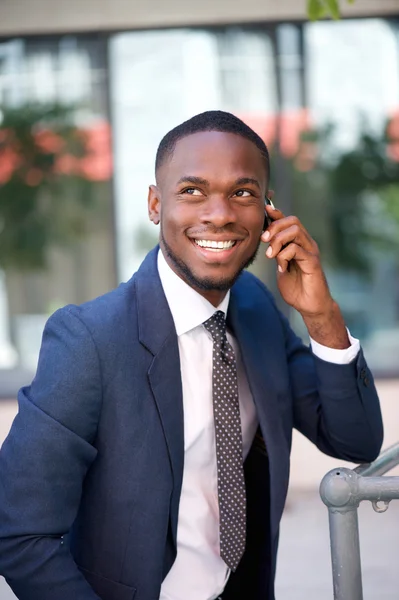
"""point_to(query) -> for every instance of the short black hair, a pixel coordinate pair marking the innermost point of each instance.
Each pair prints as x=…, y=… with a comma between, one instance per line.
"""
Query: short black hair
x=211, y=120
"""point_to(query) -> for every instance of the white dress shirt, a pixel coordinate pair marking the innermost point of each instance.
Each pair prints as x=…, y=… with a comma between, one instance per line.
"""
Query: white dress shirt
x=198, y=572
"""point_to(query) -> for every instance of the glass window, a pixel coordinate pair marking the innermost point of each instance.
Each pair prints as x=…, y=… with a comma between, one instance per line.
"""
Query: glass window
x=161, y=78
x=347, y=175
x=321, y=95
x=55, y=195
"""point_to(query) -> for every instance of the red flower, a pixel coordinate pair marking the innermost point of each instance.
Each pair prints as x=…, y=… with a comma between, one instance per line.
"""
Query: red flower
x=48, y=141
x=66, y=165
x=97, y=164
x=33, y=177
x=393, y=135
x=292, y=123
x=9, y=162
x=94, y=165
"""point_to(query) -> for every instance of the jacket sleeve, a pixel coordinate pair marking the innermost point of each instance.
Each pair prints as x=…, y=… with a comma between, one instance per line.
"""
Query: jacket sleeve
x=43, y=463
x=335, y=406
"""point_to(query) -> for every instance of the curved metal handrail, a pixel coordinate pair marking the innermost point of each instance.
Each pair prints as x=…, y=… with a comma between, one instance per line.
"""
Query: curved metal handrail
x=387, y=460
x=342, y=490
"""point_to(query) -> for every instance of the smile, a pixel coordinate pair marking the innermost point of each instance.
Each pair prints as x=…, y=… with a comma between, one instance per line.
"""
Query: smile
x=215, y=246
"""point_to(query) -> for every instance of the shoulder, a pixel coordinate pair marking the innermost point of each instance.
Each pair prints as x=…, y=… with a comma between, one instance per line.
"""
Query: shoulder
x=112, y=301
x=104, y=316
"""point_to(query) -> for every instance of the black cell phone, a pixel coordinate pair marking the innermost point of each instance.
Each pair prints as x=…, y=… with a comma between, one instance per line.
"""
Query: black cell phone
x=268, y=221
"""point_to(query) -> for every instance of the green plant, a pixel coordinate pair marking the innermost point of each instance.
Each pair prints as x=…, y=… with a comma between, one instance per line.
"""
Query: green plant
x=355, y=192
x=50, y=170
x=317, y=9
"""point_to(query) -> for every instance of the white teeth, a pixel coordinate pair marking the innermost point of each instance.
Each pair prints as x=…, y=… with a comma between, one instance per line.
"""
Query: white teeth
x=215, y=245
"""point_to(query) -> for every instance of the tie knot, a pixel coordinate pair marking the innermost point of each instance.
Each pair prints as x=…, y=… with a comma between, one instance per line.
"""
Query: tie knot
x=216, y=326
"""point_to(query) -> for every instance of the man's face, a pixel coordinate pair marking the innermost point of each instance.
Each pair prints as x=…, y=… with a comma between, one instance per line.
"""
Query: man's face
x=209, y=199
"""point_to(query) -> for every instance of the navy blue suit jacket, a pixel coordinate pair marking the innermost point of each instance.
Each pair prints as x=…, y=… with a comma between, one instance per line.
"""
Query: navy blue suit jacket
x=91, y=472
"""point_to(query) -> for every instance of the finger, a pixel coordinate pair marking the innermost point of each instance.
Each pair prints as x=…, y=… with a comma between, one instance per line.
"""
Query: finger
x=283, y=224
x=293, y=234
x=279, y=222
x=273, y=212
x=293, y=251
x=306, y=261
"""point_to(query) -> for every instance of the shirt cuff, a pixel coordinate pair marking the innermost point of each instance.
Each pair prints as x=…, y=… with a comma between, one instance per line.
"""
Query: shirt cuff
x=338, y=357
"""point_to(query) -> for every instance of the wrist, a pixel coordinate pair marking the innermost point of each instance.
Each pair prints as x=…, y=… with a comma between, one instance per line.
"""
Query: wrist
x=329, y=311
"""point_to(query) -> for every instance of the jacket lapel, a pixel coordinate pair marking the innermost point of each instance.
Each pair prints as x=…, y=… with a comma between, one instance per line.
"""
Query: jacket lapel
x=157, y=333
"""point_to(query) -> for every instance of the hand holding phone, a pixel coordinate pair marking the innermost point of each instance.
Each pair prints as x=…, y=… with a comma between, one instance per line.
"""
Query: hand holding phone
x=301, y=279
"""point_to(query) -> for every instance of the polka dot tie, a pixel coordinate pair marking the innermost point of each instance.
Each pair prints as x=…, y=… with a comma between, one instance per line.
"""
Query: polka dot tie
x=226, y=409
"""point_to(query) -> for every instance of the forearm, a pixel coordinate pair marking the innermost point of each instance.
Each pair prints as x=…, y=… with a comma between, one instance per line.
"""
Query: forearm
x=336, y=406
x=41, y=476
x=328, y=328
x=350, y=417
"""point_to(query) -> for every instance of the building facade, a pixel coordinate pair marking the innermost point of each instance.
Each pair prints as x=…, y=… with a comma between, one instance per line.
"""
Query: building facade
x=324, y=96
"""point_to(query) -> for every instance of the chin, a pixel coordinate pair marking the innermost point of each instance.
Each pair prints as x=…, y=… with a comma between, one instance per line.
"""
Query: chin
x=209, y=281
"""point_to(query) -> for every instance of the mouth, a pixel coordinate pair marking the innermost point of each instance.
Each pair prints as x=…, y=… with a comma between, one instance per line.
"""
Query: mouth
x=215, y=246
x=220, y=250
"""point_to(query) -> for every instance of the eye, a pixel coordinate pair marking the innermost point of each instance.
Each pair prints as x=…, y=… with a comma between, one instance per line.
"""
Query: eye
x=243, y=193
x=192, y=191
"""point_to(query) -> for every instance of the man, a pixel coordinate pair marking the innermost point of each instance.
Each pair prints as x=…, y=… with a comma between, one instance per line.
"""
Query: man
x=159, y=440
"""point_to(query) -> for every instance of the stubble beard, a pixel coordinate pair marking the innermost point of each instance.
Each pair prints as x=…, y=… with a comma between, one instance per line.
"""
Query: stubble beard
x=205, y=284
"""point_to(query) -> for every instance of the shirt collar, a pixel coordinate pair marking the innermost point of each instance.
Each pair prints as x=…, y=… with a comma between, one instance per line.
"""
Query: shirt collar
x=189, y=309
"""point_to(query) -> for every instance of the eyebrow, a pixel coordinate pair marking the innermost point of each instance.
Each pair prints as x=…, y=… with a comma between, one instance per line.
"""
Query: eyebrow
x=192, y=179
x=246, y=181
x=201, y=181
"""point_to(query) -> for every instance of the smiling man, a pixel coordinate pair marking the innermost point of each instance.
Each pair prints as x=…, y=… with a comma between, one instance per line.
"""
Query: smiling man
x=150, y=455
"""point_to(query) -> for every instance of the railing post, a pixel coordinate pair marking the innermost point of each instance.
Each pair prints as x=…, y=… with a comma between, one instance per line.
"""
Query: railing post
x=345, y=554
x=339, y=492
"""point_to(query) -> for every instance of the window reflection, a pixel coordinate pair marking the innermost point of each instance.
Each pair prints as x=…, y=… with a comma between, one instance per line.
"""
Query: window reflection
x=324, y=97
x=161, y=78
x=321, y=96
x=55, y=168
x=352, y=188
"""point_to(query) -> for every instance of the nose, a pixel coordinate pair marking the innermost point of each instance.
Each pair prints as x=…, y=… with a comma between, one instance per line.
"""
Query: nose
x=218, y=211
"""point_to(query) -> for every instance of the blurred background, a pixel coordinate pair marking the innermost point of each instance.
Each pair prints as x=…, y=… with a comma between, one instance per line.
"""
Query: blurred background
x=89, y=87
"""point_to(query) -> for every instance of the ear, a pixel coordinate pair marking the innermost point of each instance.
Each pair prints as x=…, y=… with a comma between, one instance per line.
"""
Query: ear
x=154, y=204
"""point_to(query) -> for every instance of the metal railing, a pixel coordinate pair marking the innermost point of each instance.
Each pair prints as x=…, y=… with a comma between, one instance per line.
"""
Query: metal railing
x=342, y=490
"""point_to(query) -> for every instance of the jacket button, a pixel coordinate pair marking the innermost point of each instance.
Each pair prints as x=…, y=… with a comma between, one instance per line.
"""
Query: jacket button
x=363, y=376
